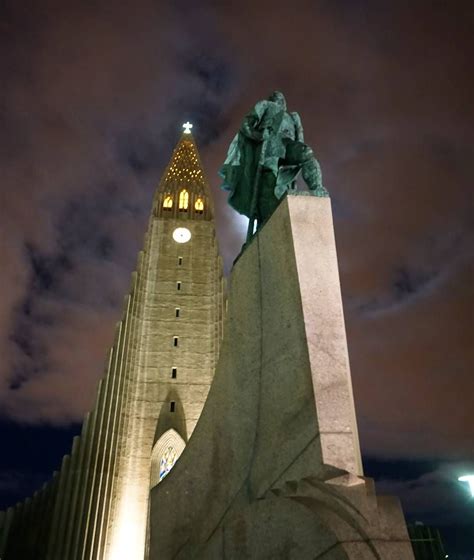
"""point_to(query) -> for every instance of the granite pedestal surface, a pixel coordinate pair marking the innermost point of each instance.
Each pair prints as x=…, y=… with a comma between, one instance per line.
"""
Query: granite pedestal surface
x=273, y=469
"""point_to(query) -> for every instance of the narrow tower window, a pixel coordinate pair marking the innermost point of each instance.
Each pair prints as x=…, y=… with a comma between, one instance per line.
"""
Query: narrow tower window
x=178, y=286
x=168, y=202
x=183, y=200
x=174, y=373
x=180, y=261
x=177, y=310
x=172, y=406
x=167, y=462
x=199, y=206
x=175, y=341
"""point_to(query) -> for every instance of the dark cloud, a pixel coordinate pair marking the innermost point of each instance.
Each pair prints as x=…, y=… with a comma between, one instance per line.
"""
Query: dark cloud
x=352, y=70
x=211, y=70
x=91, y=103
x=433, y=496
x=137, y=152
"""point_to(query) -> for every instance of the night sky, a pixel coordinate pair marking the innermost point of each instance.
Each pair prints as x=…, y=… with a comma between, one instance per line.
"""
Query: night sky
x=92, y=97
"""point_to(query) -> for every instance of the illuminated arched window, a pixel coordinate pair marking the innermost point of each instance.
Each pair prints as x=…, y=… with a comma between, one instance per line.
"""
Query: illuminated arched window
x=168, y=202
x=183, y=200
x=167, y=461
x=166, y=452
x=199, y=206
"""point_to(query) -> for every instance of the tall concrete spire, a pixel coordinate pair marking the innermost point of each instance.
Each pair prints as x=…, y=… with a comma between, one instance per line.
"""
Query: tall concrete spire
x=158, y=374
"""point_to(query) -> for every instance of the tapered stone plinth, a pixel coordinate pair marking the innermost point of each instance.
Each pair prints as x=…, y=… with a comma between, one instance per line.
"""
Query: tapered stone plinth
x=273, y=468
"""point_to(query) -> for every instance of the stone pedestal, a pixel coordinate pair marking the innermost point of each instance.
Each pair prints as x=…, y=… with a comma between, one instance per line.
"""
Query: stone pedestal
x=273, y=468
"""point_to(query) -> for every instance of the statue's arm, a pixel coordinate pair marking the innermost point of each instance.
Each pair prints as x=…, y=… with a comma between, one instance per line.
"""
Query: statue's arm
x=299, y=134
x=249, y=129
x=252, y=123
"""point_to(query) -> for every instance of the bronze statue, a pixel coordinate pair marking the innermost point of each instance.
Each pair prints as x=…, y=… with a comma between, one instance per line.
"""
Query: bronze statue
x=264, y=160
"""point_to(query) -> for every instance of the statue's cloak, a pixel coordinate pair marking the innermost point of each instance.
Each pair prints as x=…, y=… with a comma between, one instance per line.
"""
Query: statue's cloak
x=238, y=172
x=260, y=142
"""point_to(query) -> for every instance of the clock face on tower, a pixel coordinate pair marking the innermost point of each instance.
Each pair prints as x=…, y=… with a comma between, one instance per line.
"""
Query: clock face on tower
x=181, y=235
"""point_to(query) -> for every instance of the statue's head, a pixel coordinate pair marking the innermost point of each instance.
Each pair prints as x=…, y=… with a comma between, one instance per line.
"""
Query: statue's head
x=279, y=98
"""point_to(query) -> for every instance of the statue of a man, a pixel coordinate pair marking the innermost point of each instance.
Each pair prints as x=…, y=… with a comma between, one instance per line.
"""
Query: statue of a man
x=265, y=158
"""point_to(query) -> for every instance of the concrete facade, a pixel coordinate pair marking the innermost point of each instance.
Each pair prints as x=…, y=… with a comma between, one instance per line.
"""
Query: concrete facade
x=273, y=469
x=157, y=378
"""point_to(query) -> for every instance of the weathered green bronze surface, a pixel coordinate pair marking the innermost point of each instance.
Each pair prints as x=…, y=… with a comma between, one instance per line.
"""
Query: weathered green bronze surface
x=264, y=160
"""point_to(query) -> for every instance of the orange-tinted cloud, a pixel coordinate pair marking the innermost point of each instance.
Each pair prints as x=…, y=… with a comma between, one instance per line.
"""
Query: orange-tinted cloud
x=92, y=105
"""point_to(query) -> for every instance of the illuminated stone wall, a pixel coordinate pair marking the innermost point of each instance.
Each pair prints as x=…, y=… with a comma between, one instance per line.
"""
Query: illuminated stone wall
x=154, y=390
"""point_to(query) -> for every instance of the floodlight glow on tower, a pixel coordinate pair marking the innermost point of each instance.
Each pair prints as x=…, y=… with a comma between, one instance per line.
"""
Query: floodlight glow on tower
x=187, y=127
x=469, y=478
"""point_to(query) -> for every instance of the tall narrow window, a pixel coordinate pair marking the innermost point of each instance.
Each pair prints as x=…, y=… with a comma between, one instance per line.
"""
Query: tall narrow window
x=175, y=341
x=168, y=202
x=183, y=200
x=164, y=455
x=172, y=406
x=167, y=461
x=199, y=206
x=178, y=286
x=177, y=310
x=180, y=261
x=174, y=373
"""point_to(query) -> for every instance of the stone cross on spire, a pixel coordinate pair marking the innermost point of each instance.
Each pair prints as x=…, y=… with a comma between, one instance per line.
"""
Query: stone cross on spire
x=187, y=127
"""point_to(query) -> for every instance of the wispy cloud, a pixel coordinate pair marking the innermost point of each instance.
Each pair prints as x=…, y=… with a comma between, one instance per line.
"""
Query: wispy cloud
x=91, y=105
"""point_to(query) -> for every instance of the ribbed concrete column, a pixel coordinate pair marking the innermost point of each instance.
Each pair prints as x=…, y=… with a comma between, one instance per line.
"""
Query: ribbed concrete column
x=3, y=518
x=115, y=427
x=13, y=547
x=100, y=495
x=32, y=529
x=59, y=509
x=96, y=495
x=71, y=481
x=119, y=458
x=6, y=526
x=76, y=541
x=47, y=516
x=74, y=512
x=78, y=544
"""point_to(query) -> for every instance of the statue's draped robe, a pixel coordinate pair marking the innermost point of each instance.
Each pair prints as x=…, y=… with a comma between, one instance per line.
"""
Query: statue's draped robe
x=266, y=155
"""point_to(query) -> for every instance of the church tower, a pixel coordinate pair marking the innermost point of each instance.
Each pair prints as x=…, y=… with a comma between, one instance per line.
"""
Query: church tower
x=157, y=378
x=180, y=309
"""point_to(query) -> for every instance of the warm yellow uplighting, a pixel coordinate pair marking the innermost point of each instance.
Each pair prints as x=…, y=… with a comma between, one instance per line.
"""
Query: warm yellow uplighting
x=128, y=539
x=168, y=202
x=199, y=205
x=183, y=200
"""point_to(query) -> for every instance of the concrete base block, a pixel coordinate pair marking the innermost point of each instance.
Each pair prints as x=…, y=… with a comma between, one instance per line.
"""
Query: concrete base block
x=273, y=468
